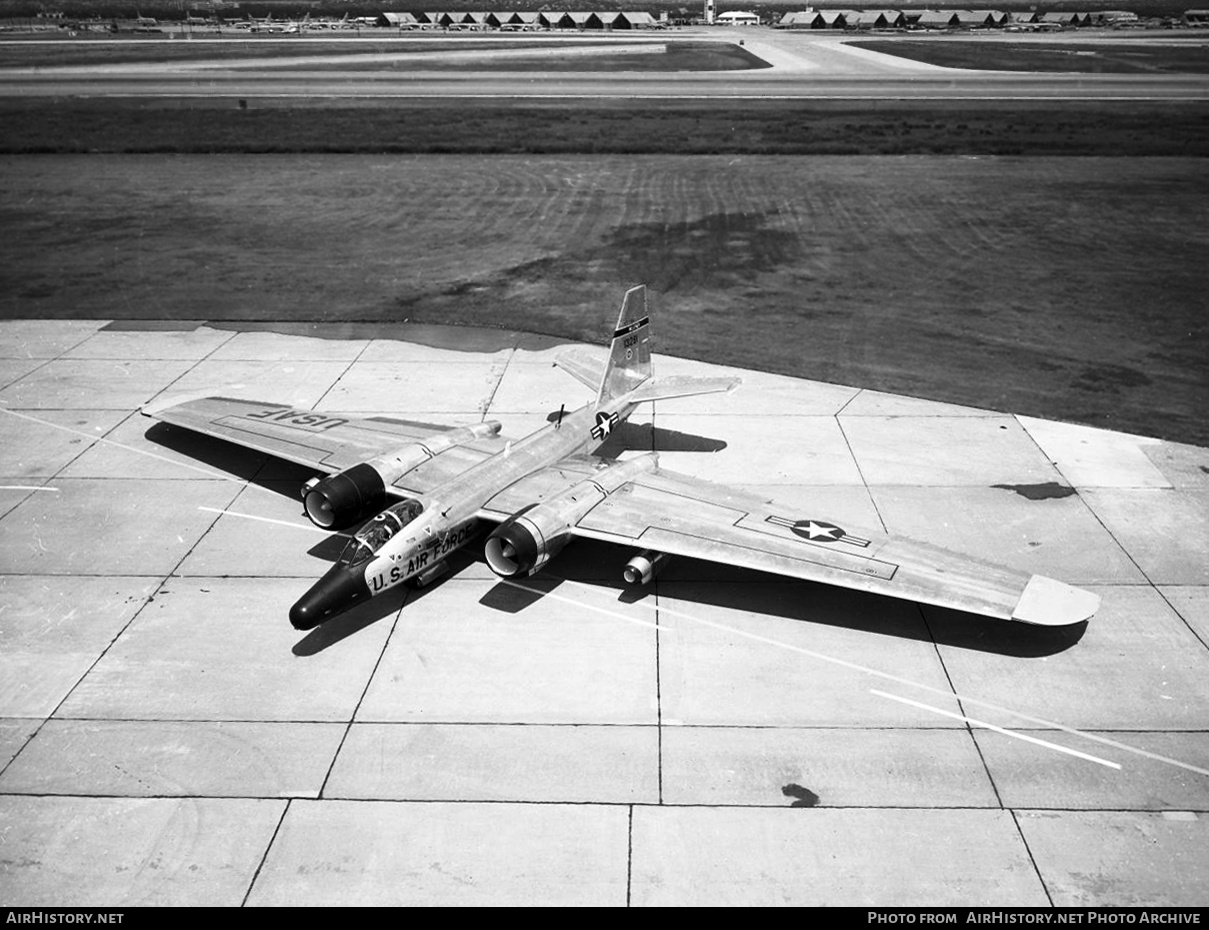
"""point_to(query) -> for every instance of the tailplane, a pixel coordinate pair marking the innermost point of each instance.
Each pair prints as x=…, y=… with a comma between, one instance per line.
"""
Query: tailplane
x=629, y=361
x=627, y=371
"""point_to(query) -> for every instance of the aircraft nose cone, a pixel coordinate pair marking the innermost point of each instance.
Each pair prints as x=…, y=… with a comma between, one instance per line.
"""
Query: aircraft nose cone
x=306, y=614
x=334, y=593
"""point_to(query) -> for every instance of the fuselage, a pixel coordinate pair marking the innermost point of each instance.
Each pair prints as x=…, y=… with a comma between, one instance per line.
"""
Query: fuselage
x=449, y=518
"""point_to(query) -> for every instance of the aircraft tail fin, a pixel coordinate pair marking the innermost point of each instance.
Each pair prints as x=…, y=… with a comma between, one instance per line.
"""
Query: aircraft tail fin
x=627, y=370
x=629, y=361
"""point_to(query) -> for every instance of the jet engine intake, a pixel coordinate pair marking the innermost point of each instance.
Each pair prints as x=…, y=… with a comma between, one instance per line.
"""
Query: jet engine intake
x=644, y=566
x=343, y=499
x=522, y=546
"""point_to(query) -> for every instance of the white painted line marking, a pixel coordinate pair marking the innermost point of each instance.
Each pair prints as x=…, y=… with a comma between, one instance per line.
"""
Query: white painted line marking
x=575, y=603
x=991, y=726
x=1040, y=721
x=26, y=487
x=248, y=516
x=110, y=442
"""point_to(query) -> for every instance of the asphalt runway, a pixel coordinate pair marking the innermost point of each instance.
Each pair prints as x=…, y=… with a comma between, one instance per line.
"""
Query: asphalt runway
x=724, y=737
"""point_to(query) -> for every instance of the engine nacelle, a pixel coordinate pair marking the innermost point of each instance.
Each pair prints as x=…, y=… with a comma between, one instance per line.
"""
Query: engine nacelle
x=644, y=566
x=526, y=541
x=350, y=496
x=344, y=499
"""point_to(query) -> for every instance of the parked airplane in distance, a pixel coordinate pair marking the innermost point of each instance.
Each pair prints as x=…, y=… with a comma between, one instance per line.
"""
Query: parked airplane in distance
x=426, y=491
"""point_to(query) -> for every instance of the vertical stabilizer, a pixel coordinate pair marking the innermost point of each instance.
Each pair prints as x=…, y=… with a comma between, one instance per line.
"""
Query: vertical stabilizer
x=630, y=355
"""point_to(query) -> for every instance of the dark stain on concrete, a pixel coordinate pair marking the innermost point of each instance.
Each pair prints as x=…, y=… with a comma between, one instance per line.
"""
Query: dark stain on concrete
x=1046, y=491
x=803, y=797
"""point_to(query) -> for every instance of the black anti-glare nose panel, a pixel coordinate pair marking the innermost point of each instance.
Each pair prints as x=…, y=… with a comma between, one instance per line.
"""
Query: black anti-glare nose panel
x=334, y=593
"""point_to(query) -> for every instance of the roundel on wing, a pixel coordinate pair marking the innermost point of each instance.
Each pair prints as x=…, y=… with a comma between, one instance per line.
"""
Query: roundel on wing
x=818, y=531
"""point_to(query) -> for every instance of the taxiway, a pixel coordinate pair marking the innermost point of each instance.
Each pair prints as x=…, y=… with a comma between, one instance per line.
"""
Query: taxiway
x=801, y=67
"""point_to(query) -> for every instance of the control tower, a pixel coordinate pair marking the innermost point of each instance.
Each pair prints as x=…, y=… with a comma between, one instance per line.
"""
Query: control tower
x=709, y=12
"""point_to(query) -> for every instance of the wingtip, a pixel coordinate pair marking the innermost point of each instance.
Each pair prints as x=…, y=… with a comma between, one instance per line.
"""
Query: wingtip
x=156, y=406
x=1046, y=602
x=153, y=408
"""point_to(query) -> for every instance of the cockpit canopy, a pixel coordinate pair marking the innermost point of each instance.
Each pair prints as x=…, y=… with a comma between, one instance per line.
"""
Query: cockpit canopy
x=378, y=531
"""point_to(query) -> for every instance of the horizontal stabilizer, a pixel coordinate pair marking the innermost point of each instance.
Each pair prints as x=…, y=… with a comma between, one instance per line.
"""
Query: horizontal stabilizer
x=583, y=364
x=682, y=386
x=1047, y=602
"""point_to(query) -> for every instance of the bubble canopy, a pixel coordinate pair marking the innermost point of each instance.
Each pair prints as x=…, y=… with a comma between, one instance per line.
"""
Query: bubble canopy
x=380, y=530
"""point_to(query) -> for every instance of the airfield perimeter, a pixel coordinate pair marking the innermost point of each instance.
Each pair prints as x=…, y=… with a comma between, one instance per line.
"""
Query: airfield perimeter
x=726, y=737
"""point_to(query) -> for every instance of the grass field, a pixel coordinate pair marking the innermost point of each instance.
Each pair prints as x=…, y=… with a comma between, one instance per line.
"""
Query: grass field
x=1082, y=57
x=714, y=127
x=676, y=56
x=1063, y=287
x=101, y=51
x=679, y=56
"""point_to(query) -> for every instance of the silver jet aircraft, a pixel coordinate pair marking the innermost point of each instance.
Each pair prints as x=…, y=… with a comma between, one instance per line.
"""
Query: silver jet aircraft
x=428, y=490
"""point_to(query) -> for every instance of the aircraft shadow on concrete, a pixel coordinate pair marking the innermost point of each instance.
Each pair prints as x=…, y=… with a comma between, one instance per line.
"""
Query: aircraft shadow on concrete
x=513, y=599
x=258, y=468
x=205, y=450
x=330, y=548
x=351, y=622
x=375, y=609
x=694, y=583
x=643, y=437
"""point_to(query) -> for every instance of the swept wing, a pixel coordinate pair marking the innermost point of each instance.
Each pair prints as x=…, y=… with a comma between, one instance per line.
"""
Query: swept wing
x=330, y=442
x=680, y=515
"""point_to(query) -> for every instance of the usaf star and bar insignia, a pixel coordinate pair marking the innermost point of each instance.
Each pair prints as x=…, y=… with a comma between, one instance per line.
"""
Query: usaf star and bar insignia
x=604, y=424
x=818, y=531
